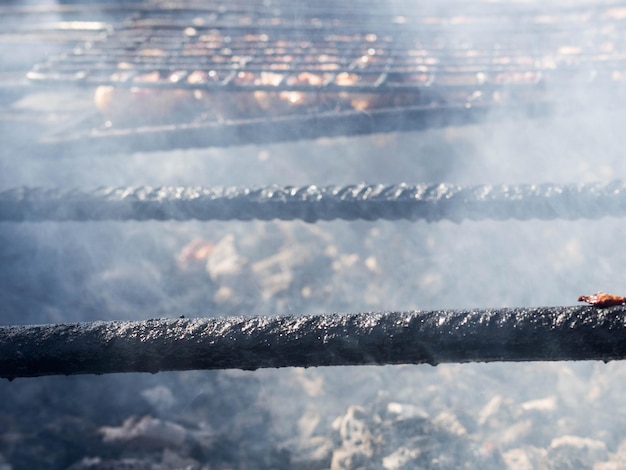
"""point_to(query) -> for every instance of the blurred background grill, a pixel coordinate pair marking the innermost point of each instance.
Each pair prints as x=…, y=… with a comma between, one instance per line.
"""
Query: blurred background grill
x=202, y=72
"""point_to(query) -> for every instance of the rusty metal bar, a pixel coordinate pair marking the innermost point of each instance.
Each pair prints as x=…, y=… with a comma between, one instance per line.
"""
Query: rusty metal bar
x=432, y=337
x=312, y=203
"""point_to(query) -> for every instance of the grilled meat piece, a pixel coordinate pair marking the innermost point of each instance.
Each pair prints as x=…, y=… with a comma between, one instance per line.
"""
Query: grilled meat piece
x=602, y=299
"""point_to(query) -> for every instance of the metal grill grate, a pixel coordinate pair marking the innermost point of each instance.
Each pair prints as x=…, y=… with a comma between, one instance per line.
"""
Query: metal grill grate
x=266, y=48
x=233, y=68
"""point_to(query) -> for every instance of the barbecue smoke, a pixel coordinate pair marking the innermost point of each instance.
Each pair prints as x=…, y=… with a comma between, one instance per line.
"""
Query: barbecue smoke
x=527, y=415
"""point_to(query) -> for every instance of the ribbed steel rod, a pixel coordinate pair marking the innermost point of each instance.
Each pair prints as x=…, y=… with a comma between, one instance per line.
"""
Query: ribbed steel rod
x=312, y=203
x=433, y=337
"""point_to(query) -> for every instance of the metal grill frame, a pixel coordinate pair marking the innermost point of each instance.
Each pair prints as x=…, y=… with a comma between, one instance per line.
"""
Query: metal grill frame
x=258, y=41
x=418, y=337
x=584, y=328
x=460, y=78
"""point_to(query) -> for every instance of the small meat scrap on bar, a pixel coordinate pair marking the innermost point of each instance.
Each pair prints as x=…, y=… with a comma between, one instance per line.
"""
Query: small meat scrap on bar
x=602, y=299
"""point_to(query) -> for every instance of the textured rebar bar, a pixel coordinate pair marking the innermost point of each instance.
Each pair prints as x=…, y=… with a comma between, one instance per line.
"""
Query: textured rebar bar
x=312, y=203
x=432, y=337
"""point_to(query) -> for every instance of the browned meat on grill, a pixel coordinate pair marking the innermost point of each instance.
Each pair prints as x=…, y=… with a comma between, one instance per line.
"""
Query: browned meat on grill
x=602, y=299
x=359, y=101
x=136, y=106
x=139, y=105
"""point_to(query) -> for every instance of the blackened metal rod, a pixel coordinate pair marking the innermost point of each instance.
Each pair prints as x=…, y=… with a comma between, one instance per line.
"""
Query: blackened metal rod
x=432, y=337
x=313, y=203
